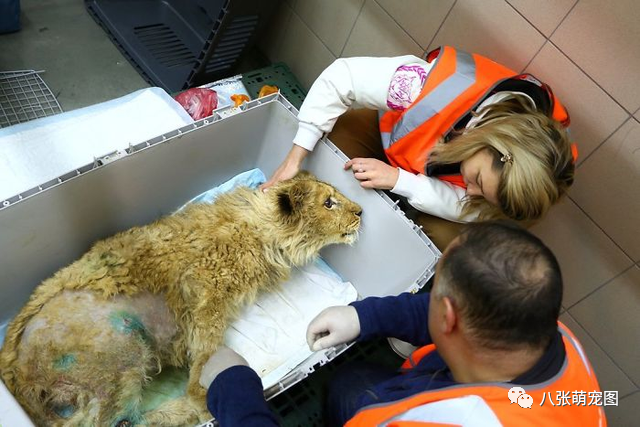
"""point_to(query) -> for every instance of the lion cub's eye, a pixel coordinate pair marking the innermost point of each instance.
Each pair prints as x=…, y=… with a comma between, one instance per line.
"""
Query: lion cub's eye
x=329, y=203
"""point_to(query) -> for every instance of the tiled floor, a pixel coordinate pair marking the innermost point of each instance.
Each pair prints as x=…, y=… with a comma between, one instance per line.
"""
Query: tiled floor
x=82, y=67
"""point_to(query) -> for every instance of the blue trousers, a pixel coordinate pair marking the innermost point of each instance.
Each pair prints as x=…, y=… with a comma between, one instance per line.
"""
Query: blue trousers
x=350, y=384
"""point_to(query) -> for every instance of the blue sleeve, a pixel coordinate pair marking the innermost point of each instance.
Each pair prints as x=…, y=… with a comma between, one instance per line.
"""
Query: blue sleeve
x=235, y=398
x=404, y=316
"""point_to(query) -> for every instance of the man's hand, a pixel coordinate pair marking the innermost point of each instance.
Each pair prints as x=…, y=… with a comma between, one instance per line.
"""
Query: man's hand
x=333, y=326
x=288, y=168
x=373, y=173
x=219, y=361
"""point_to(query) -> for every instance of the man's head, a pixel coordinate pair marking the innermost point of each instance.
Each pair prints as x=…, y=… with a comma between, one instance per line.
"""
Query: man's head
x=499, y=286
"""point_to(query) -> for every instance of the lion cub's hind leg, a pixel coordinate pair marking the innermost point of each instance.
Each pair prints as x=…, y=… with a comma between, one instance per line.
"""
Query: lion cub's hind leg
x=86, y=359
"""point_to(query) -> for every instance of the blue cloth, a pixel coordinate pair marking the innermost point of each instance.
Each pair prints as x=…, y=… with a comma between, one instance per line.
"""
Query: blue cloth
x=251, y=178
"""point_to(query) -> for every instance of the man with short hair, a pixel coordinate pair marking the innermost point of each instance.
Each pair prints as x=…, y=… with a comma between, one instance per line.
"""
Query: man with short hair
x=493, y=351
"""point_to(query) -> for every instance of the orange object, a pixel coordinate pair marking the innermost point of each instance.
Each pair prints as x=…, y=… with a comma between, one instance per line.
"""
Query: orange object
x=575, y=374
x=267, y=90
x=456, y=84
x=238, y=99
x=574, y=152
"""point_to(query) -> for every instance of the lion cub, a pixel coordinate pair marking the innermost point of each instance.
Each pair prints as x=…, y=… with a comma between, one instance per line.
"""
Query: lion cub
x=82, y=348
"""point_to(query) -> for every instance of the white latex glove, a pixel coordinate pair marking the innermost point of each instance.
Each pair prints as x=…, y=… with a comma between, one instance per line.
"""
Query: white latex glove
x=220, y=360
x=333, y=326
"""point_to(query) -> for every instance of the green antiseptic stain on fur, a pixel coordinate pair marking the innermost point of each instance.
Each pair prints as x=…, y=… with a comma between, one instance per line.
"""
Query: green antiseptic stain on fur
x=171, y=383
x=129, y=324
x=64, y=362
x=65, y=411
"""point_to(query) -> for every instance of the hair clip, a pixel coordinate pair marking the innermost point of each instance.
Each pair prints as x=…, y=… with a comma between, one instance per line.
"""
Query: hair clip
x=507, y=158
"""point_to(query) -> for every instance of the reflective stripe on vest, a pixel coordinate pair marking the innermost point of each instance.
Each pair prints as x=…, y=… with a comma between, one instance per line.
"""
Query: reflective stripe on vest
x=444, y=94
x=576, y=374
x=385, y=136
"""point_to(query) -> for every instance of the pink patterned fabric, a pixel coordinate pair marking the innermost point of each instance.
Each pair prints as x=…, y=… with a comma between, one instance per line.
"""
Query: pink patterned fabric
x=405, y=87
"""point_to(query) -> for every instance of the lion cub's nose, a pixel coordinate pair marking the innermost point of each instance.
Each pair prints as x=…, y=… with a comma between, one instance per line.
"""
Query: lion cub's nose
x=359, y=213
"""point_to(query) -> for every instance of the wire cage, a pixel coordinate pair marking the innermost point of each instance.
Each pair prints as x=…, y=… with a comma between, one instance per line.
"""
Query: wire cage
x=25, y=96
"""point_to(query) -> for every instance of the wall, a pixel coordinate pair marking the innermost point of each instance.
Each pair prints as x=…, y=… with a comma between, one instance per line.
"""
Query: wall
x=587, y=50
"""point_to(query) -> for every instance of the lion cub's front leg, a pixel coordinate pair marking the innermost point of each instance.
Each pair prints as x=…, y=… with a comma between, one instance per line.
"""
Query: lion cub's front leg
x=205, y=332
x=212, y=295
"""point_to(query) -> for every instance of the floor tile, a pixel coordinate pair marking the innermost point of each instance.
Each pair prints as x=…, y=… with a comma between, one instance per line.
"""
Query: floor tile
x=420, y=18
x=610, y=377
x=300, y=42
x=626, y=413
x=491, y=28
x=612, y=318
x=587, y=257
x=603, y=38
x=377, y=34
x=78, y=74
x=330, y=20
x=589, y=126
x=545, y=15
x=271, y=43
x=606, y=187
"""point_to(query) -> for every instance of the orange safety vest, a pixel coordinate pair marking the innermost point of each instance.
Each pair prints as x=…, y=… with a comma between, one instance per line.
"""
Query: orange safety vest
x=576, y=374
x=455, y=85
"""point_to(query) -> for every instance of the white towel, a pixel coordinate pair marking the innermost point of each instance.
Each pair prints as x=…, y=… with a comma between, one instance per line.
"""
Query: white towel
x=38, y=151
x=271, y=334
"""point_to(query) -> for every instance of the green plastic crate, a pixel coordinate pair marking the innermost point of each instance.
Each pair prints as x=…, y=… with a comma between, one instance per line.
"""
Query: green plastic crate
x=275, y=75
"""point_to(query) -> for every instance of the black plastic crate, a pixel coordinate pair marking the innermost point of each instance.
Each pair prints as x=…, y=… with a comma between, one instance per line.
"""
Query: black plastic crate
x=302, y=405
x=177, y=44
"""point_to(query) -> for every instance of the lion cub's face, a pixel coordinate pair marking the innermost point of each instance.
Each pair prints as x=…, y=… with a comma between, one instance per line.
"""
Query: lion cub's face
x=320, y=209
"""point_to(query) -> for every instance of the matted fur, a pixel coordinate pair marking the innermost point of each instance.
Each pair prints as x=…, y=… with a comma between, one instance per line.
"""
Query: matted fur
x=81, y=349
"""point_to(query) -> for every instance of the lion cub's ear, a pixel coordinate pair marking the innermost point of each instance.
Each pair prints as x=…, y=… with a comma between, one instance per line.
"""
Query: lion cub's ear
x=292, y=197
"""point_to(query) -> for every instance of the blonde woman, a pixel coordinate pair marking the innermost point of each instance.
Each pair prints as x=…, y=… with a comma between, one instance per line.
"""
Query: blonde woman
x=461, y=137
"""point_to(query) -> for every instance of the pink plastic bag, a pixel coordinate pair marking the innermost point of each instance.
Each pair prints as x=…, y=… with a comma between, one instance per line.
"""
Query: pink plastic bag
x=198, y=102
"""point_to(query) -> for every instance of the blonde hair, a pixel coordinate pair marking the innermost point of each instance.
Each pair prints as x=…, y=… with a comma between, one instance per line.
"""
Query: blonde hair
x=531, y=152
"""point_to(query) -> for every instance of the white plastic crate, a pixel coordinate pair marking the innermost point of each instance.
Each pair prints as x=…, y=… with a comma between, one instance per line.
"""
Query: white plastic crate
x=49, y=226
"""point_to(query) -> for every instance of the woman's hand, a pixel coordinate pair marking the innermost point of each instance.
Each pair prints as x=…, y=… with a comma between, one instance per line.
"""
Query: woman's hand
x=373, y=173
x=288, y=168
